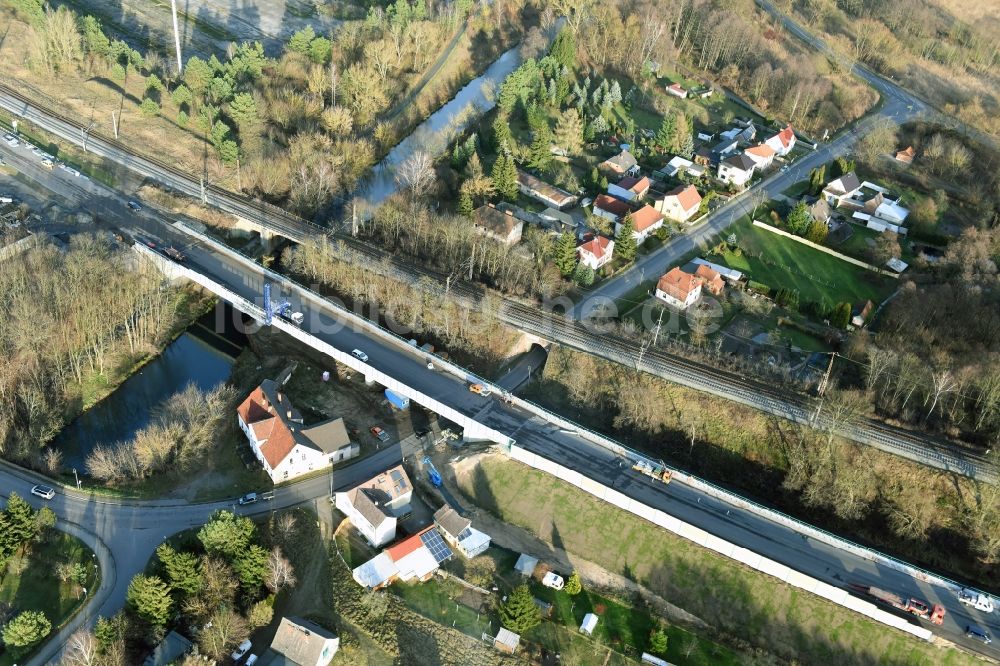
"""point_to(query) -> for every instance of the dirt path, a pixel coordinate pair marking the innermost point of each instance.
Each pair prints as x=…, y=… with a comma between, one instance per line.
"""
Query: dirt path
x=520, y=540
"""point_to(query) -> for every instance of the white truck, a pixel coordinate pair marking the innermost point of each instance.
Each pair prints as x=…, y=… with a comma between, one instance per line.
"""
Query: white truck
x=977, y=600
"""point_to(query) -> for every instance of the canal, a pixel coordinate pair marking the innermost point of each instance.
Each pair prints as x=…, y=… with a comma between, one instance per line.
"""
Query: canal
x=197, y=356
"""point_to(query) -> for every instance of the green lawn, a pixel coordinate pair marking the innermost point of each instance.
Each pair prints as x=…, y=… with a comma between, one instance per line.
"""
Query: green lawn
x=434, y=601
x=796, y=190
x=737, y=601
x=38, y=588
x=781, y=262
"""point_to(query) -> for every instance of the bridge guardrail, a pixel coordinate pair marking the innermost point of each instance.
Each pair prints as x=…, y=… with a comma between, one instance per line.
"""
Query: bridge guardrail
x=618, y=448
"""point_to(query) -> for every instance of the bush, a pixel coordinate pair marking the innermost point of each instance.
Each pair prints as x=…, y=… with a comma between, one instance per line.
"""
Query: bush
x=149, y=107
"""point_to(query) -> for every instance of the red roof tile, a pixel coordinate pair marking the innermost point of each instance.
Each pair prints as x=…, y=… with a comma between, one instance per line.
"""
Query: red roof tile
x=406, y=546
x=687, y=196
x=597, y=246
x=614, y=206
x=646, y=217
x=678, y=284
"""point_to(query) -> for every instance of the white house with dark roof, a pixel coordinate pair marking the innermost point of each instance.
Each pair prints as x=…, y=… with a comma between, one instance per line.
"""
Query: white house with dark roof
x=299, y=642
x=374, y=506
x=622, y=164
x=736, y=170
x=459, y=533
x=841, y=189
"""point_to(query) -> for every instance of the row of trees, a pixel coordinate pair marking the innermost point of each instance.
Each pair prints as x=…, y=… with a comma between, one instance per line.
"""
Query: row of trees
x=67, y=318
x=732, y=42
x=20, y=527
x=221, y=585
x=300, y=128
x=184, y=429
x=424, y=306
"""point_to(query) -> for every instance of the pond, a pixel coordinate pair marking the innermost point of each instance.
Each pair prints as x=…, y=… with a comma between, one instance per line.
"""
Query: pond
x=129, y=409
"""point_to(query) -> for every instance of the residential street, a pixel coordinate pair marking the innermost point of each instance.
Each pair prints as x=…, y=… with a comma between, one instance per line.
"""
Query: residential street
x=898, y=106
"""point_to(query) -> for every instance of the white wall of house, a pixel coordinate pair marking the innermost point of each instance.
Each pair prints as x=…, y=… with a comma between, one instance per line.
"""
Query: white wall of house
x=376, y=535
x=300, y=461
x=729, y=174
x=600, y=212
x=671, y=207
x=588, y=258
x=640, y=236
x=693, y=296
x=761, y=162
x=620, y=192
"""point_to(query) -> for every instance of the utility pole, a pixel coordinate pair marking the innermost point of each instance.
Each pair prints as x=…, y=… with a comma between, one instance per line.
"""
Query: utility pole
x=177, y=39
x=354, y=218
x=114, y=123
x=204, y=198
x=656, y=335
x=821, y=390
x=86, y=134
x=472, y=261
x=239, y=178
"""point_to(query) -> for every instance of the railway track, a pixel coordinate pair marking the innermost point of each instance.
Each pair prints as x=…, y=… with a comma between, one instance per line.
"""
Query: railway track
x=779, y=402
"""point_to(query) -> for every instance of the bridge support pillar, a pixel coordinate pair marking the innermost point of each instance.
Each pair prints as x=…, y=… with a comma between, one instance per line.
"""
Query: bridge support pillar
x=369, y=378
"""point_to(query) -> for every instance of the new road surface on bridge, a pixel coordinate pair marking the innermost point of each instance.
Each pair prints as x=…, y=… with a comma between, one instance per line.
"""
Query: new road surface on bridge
x=568, y=447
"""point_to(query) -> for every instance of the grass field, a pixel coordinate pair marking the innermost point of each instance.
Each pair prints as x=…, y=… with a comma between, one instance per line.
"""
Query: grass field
x=37, y=588
x=781, y=262
x=742, y=603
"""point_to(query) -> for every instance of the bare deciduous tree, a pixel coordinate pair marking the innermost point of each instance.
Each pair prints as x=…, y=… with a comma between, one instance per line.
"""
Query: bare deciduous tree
x=80, y=650
x=280, y=573
x=416, y=173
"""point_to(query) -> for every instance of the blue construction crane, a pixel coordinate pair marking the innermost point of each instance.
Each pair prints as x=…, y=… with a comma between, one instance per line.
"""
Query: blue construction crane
x=272, y=308
x=432, y=472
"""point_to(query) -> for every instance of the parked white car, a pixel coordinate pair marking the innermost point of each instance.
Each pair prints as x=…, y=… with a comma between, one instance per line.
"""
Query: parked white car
x=11, y=140
x=241, y=650
x=553, y=580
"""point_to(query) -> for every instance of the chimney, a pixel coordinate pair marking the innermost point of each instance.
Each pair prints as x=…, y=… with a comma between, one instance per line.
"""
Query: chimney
x=509, y=212
x=279, y=396
x=289, y=414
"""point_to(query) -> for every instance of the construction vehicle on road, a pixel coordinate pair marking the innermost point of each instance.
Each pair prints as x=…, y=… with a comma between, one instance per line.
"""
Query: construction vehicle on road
x=658, y=472
x=481, y=389
x=977, y=600
x=908, y=604
x=432, y=474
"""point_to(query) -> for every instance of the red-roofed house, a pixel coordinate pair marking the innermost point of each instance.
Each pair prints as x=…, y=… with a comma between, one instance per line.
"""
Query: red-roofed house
x=677, y=90
x=680, y=204
x=284, y=446
x=782, y=142
x=596, y=252
x=906, y=156
x=416, y=557
x=646, y=220
x=610, y=208
x=762, y=155
x=630, y=188
x=710, y=279
x=678, y=288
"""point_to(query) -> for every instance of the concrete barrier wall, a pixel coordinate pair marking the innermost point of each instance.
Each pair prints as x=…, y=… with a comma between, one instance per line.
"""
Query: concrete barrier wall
x=473, y=429
x=600, y=440
x=721, y=546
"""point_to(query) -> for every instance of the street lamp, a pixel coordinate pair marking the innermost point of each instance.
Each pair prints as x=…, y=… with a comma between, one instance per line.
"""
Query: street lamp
x=77, y=477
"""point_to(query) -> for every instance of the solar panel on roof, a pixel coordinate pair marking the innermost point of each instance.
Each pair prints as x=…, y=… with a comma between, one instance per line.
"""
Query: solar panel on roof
x=466, y=533
x=439, y=549
x=398, y=481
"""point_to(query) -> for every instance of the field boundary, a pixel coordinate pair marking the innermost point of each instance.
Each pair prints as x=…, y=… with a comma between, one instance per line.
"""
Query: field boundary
x=821, y=248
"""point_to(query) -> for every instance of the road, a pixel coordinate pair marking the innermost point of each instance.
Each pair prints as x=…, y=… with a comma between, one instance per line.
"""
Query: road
x=912, y=445
x=132, y=529
x=897, y=105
